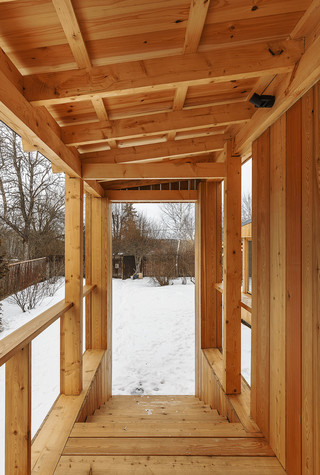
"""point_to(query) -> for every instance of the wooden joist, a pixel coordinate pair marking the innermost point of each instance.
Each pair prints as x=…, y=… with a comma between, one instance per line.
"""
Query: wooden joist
x=172, y=149
x=151, y=196
x=179, y=171
x=196, y=21
x=156, y=124
x=220, y=65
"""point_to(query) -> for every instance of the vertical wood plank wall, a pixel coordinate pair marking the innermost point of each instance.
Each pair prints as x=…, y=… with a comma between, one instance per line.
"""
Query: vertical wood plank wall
x=285, y=392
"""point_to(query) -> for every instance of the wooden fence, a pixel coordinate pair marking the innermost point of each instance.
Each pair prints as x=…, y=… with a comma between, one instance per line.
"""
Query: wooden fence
x=23, y=274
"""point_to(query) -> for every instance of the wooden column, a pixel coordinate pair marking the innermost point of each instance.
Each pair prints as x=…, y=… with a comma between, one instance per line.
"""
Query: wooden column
x=278, y=288
x=232, y=274
x=293, y=290
x=71, y=322
x=260, y=347
x=197, y=299
x=88, y=266
x=99, y=334
x=211, y=328
x=18, y=413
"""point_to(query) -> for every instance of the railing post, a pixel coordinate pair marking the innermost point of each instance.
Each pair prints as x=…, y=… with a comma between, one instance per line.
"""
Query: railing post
x=232, y=274
x=71, y=322
x=18, y=413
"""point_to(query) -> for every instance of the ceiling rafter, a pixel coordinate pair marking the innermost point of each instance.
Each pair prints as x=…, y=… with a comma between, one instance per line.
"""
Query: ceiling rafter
x=160, y=74
x=196, y=22
x=176, y=149
x=36, y=126
x=156, y=124
x=71, y=28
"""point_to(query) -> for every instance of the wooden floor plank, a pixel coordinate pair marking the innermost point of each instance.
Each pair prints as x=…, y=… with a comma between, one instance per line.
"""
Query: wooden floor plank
x=147, y=428
x=168, y=446
x=119, y=465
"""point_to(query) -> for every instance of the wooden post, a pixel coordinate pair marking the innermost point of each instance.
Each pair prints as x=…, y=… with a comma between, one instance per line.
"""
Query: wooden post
x=232, y=274
x=99, y=335
x=208, y=207
x=18, y=413
x=71, y=322
x=197, y=300
x=88, y=260
x=260, y=349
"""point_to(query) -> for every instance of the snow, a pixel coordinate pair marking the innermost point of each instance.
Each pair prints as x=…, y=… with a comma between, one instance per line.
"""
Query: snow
x=153, y=345
x=153, y=338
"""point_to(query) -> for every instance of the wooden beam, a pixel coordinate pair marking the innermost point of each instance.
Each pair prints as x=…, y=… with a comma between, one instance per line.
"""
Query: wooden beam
x=174, y=149
x=35, y=125
x=288, y=91
x=100, y=109
x=156, y=124
x=18, y=413
x=232, y=274
x=151, y=196
x=196, y=21
x=219, y=65
x=180, y=97
x=169, y=170
x=72, y=31
x=71, y=322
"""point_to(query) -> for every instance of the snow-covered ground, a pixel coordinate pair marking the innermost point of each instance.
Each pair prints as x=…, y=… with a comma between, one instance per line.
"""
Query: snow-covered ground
x=153, y=338
x=153, y=345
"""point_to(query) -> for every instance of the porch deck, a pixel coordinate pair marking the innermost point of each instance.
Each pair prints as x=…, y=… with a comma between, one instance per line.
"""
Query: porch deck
x=162, y=435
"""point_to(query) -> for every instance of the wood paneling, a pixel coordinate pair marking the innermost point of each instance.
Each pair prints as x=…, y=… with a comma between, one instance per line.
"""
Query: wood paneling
x=260, y=349
x=293, y=290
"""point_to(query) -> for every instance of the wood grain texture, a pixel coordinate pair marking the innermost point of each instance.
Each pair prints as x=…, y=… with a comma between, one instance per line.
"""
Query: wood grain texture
x=278, y=288
x=232, y=274
x=18, y=413
x=71, y=323
x=260, y=356
x=293, y=290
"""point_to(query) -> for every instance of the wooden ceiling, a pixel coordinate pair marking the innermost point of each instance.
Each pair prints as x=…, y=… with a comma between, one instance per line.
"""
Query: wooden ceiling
x=148, y=84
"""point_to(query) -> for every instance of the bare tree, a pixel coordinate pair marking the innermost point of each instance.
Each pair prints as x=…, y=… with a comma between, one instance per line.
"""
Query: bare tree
x=178, y=220
x=246, y=207
x=31, y=197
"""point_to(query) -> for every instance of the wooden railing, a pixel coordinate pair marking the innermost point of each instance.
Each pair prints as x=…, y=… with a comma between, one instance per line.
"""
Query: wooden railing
x=15, y=351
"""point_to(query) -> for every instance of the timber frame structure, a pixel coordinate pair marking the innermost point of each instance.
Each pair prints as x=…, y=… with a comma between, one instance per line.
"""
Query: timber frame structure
x=149, y=101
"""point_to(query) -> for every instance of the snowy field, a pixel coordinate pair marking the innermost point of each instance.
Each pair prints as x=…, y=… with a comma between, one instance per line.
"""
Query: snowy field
x=153, y=345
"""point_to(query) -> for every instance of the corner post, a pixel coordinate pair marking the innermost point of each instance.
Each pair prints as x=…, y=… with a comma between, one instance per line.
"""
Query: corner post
x=72, y=321
x=232, y=273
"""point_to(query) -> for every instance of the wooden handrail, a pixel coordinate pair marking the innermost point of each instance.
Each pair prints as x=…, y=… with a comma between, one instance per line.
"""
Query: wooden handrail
x=87, y=289
x=17, y=340
x=246, y=299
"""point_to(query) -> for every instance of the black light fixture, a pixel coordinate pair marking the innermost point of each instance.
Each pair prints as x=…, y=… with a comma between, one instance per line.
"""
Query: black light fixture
x=262, y=101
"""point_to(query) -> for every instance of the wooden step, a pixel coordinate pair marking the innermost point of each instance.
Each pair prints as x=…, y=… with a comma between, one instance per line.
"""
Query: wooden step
x=181, y=465
x=121, y=417
x=166, y=428
x=168, y=446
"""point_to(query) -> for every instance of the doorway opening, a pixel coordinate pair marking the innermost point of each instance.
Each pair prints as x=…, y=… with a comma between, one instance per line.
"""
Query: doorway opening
x=153, y=289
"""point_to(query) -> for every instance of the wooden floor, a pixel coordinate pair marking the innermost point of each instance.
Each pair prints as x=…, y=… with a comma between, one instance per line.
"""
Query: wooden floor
x=163, y=435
